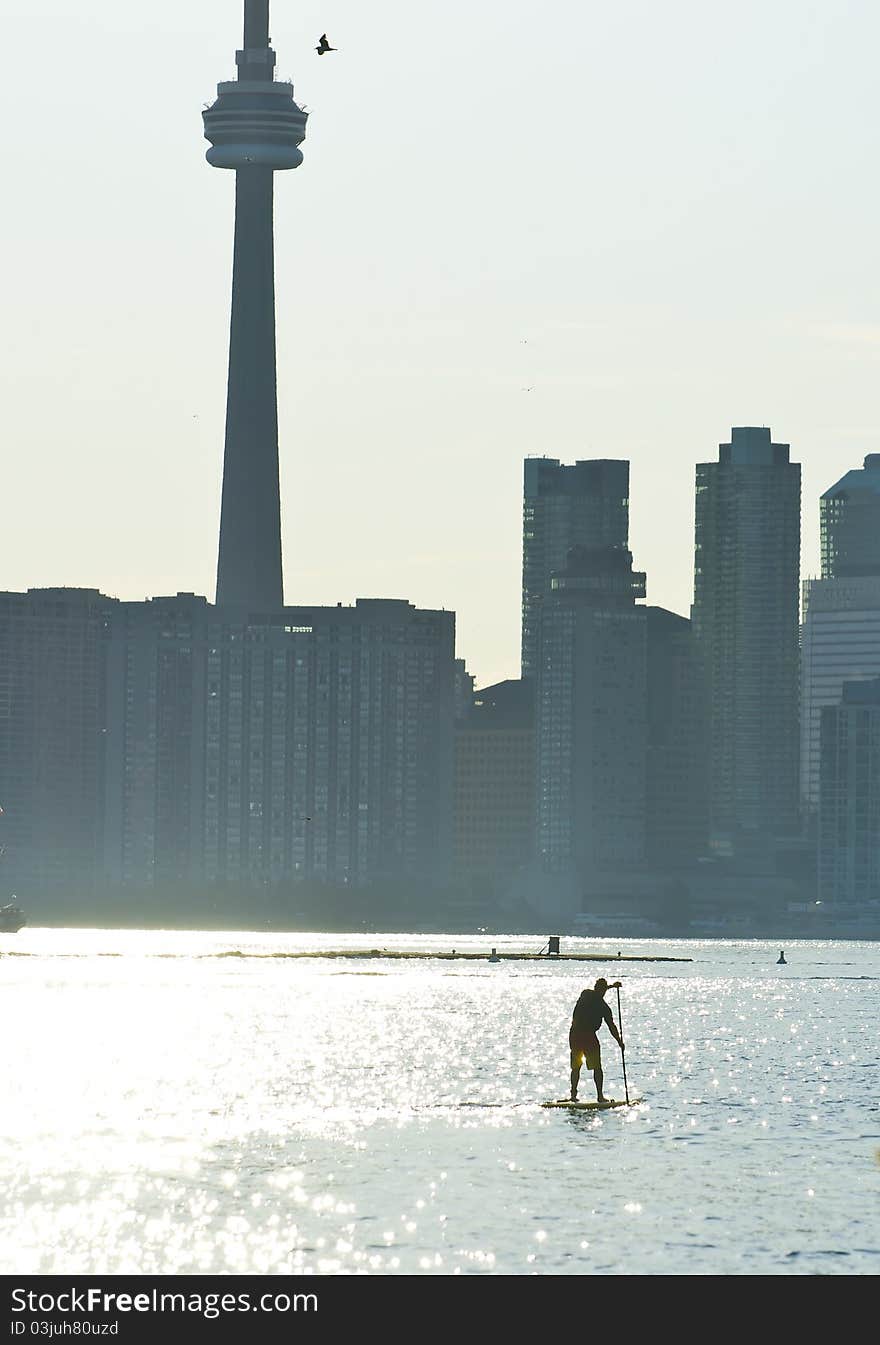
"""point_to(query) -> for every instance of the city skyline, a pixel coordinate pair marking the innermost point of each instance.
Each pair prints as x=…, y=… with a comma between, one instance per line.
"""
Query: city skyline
x=449, y=300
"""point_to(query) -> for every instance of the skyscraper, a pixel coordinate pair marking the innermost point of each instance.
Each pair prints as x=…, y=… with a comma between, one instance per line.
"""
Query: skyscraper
x=53, y=689
x=494, y=789
x=251, y=751
x=841, y=635
x=849, y=521
x=840, y=643
x=255, y=128
x=591, y=721
x=677, y=811
x=849, y=808
x=745, y=613
x=154, y=820
x=586, y=504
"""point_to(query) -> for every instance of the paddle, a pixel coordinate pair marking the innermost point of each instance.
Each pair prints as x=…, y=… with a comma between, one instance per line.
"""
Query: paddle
x=622, y=1051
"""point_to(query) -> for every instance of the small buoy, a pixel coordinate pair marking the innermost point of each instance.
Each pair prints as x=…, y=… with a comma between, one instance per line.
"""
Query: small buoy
x=780, y=961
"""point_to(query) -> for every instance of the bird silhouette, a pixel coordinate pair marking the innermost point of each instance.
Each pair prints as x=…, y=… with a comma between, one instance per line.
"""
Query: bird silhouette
x=323, y=45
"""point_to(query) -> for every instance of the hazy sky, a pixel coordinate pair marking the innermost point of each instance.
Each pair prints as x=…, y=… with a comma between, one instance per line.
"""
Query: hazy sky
x=659, y=218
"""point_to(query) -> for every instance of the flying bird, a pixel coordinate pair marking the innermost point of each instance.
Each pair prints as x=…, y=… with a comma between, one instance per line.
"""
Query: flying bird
x=323, y=45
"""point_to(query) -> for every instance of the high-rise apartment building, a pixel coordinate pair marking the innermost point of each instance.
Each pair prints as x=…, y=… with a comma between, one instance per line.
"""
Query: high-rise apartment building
x=315, y=743
x=849, y=523
x=677, y=804
x=849, y=798
x=745, y=614
x=840, y=642
x=591, y=720
x=586, y=504
x=329, y=745
x=155, y=759
x=494, y=794
x=171, y=746
x=53, y=691
x=840, y=639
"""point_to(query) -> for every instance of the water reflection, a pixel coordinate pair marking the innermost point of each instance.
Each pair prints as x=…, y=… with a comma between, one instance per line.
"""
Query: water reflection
x=170, y=1112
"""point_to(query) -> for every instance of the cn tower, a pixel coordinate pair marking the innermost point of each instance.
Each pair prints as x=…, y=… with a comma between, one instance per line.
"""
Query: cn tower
x=255, y=128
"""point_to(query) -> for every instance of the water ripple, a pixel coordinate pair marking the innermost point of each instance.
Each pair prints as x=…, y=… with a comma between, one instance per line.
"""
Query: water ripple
x=178, y=1103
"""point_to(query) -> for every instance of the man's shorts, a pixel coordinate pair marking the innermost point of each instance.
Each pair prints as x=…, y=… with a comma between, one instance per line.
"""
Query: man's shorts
x=585, y=1044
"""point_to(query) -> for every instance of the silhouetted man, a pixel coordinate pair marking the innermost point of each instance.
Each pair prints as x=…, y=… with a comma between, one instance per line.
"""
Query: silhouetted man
x=589, y=1014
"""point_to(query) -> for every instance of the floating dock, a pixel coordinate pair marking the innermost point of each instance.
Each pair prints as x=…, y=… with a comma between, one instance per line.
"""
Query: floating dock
x=454, y=955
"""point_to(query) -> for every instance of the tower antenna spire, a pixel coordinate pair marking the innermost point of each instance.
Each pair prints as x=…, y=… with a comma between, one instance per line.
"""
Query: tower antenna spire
x=256, y=23
x=255, y=128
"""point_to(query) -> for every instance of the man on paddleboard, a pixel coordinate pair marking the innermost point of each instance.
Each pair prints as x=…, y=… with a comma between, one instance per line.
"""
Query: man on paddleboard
x=589, y=1014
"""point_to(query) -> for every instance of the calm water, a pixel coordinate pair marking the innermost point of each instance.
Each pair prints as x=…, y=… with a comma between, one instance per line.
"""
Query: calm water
x=170, y=1110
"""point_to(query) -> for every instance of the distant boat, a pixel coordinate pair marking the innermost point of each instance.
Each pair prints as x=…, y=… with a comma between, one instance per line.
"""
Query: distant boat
x=12, y=918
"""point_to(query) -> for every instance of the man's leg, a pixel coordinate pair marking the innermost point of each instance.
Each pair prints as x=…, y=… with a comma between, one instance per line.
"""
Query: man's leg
x=599, y=1079
x=576, y=1059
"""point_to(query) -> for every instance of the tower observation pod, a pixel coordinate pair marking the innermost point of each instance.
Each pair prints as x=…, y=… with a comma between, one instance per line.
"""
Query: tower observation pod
x=255, y=128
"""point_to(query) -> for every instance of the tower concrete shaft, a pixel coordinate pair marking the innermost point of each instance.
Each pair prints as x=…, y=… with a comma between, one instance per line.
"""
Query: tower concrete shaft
x=255, y=128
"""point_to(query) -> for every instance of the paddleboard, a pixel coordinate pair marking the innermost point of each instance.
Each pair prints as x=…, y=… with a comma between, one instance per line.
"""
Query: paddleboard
x=591, y=1106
